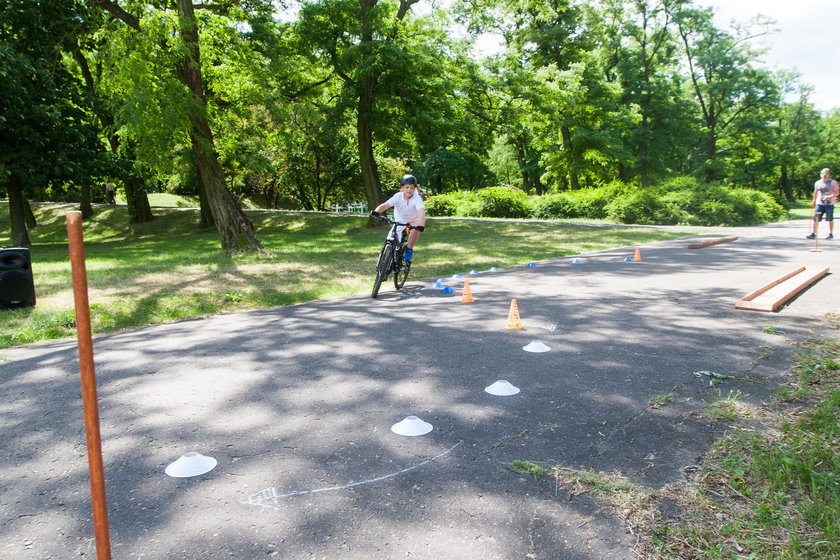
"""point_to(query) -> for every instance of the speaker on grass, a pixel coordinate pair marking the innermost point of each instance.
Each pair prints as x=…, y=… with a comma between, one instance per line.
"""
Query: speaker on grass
x=17, y=288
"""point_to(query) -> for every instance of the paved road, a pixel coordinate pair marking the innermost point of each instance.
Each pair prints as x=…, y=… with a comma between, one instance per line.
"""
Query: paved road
x=296, y=404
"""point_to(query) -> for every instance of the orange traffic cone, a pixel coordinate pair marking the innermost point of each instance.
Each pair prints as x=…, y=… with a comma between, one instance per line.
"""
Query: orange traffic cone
x=513, y=316
x=467, y=296
x=637, y=257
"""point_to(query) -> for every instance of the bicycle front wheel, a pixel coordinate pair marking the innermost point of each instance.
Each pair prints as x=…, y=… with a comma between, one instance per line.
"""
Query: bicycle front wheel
x=383, y=268
x=401, y=275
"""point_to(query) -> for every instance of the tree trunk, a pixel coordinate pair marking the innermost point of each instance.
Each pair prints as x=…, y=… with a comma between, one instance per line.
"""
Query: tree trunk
x=17, y=214
x=84, y=206
x=785, y=184
x=236, y=232
x=28, y=215
x=519, y=150
x=205, y=216
x=567, y=147
x=370, y=173
x=139, y=210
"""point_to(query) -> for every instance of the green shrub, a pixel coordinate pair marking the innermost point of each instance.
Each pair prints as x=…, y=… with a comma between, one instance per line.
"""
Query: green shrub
x=637, y=206
x=690, y=202
x=765, y=207
x=591, y=203
x=441, y=205
x=502, y=202
x=553, y=206
x=681, y=200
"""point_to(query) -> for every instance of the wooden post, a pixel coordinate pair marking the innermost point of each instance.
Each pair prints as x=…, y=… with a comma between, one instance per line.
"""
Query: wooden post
x=88, y=377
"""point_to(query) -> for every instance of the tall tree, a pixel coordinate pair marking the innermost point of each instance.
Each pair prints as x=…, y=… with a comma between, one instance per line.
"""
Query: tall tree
x=44, y=134
x=137, y=201
x=640, y=52
x=360, y=39
x=732, y=94
x=236, y=232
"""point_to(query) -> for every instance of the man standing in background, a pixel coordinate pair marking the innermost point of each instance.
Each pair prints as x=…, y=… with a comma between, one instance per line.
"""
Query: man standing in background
x=826, y=190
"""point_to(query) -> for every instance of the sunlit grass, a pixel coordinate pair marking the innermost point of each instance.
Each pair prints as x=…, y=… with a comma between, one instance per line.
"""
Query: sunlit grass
x=170, y=269
x=799, y=209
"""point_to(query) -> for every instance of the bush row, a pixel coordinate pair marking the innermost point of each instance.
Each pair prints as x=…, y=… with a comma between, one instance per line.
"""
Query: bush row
x=680, y=201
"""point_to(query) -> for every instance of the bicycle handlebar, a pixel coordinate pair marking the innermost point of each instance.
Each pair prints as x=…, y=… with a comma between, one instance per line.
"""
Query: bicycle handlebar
x=390, y=220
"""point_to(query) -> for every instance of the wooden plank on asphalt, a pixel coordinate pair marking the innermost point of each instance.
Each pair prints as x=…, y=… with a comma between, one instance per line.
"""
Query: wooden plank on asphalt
x=778, y=292
x=702, y=244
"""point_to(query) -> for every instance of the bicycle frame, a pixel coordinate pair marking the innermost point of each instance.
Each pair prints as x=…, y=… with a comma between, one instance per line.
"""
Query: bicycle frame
x=391, y=256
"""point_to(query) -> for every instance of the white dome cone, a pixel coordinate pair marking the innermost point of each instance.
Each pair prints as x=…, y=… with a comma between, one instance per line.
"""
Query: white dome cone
x=502, y=388
x=411, y=426
x=536, y=346
x=191, y=464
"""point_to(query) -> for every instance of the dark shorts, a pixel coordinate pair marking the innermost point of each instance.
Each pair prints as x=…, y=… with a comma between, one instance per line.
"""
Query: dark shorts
x=826, y=210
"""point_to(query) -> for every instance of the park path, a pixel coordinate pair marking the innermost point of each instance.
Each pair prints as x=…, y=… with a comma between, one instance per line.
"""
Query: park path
x=296, y=404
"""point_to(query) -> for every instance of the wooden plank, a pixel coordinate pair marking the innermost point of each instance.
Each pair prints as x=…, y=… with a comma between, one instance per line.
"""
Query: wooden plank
x=712, y=242
x=772, y=284
x=783, y=290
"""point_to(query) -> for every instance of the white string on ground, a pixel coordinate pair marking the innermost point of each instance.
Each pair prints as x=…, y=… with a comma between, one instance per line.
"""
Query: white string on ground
x=270, y=494
x=548, y=326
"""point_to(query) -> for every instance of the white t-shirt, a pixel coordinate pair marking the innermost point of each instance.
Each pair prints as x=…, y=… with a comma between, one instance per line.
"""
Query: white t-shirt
x=825, y=189
x=406, y=211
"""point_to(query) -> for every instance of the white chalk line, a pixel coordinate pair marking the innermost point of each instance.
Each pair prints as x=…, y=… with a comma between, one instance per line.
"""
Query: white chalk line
x=270, y=494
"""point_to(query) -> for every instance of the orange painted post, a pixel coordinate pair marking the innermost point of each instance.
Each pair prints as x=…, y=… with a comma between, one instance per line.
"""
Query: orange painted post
x=88, y=378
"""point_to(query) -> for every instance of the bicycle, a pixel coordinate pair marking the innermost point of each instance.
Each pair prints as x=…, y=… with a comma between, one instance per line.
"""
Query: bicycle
x=391, y=256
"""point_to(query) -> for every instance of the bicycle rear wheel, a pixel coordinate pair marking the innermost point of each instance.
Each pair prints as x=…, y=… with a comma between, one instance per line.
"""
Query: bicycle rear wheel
x=383, y=268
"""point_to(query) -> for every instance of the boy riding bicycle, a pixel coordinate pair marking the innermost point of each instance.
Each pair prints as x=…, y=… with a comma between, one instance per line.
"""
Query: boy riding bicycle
x=408, y=208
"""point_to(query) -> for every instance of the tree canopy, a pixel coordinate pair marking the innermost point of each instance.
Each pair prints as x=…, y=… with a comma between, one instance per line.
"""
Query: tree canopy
x=329, y=101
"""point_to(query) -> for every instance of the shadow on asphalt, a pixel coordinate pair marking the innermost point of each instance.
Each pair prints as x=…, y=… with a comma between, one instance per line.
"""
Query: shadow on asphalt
x=302, y=398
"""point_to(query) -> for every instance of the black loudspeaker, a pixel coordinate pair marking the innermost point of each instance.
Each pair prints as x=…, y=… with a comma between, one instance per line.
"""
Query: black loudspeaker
x=17, y=288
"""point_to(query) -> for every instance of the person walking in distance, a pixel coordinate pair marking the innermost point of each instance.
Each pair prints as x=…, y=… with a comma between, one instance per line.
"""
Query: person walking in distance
x=408, y=208
x=826, y=190
x=111, y=193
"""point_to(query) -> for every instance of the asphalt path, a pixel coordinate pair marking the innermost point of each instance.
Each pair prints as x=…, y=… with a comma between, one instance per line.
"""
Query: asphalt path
x=296, y=404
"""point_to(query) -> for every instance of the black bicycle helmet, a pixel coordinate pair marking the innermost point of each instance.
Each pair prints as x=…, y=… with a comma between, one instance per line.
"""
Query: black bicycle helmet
x=408, y=180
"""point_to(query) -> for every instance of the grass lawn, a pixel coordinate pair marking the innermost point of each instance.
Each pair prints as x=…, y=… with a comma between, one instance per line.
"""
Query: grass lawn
x=799, y=209
x=768, y=489
x=169, y=269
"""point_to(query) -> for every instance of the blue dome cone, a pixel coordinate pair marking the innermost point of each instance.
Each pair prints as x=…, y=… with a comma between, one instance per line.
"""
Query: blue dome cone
x=447, y=290
x=628, y=259
x=532, y=264
x=577, y=261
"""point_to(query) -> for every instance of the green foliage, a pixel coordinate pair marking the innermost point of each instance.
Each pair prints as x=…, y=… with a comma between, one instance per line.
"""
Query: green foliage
x=529, y=468
x=695, y=203
x=491, y=202
x=45, y=135
x=502, y=202
x=444, y=204
x=553, y=206
x=681, y=200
